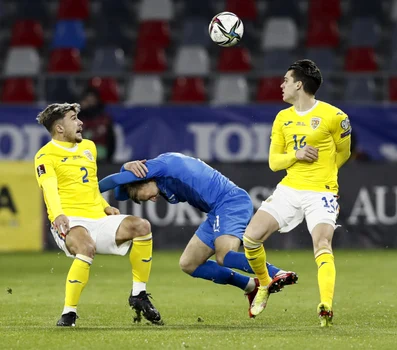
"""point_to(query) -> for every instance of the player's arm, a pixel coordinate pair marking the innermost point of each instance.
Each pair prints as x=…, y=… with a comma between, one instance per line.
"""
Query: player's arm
x=279, y=159
x=47, y=180
x=155, y=168
x=341, y=133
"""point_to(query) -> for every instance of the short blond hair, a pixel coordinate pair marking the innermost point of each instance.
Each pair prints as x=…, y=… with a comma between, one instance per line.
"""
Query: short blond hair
x=54, y=112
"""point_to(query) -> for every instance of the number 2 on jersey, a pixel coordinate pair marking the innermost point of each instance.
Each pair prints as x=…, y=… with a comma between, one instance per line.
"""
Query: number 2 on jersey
x=85, y=174
x=302, y=142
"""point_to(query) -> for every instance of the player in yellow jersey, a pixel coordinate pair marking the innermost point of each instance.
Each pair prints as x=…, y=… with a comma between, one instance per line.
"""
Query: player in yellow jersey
x=82, y=222
x=311, y=140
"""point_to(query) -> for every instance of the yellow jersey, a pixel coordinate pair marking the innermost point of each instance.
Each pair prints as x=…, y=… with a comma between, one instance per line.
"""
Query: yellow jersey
x=324, y=127
x=75, y=170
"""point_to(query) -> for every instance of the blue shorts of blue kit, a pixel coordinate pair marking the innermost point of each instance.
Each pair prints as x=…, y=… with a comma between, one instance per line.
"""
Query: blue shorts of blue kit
x=230, y=217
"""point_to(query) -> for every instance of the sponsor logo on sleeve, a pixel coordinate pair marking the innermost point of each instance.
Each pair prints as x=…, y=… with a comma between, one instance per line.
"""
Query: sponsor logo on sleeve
x=41, y=170
x=345, y=125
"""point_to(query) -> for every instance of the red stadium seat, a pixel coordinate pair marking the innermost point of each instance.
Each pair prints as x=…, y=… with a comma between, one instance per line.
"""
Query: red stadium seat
x=153, y=33
x=393, y=89
x=27, y=33
x=234, y=59
x=246, y=9
x=108, y=89
x=361, y=59
x=321, y=9
x=323, y=33
x=269, y=90
x=188, y=90
x=65, y=60
x=18, y=90
x=73, y=9
x=150, y=60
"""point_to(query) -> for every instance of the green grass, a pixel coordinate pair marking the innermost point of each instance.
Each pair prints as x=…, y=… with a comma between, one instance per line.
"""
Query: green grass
x=365, y=306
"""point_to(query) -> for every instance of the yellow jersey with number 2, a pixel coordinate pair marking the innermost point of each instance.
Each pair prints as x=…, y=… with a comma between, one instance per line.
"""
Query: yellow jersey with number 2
x=75, y=169
x=324, y=127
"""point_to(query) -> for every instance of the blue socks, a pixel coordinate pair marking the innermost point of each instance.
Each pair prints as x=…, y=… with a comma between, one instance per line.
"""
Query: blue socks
x=211, y=271
x=236, y=260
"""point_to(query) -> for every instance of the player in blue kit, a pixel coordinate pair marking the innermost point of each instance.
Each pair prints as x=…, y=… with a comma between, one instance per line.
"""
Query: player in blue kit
x=179, y=178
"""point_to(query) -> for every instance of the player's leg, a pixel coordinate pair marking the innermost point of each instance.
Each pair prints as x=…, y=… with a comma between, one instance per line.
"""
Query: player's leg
x=78, y=243
x=321, y=211
x=322, y=243
x=139, y=231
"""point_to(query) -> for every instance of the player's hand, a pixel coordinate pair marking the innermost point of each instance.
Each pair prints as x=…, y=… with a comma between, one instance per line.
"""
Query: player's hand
x=61, y=224
x=137, y=167
x=112, y=211
x=307, y=154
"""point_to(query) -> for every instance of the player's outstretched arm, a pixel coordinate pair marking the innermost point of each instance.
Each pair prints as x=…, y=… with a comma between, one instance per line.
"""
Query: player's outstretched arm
x=112, y=181
x=278, y=159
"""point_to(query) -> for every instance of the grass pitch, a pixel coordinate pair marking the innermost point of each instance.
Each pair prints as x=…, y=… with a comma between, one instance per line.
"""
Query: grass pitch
x=198, y=314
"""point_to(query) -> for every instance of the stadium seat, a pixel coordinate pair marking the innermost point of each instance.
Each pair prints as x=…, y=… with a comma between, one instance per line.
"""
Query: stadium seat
x=69, y=34
x=73, y=9
x=195, y=31
x=108, y=60
x=360, y=89
x=64, y=61
x=234, y=59
x=150, y=60
x=285, y=8
x=324, y=57
x=60, y=89
x=108, y=89
x=367, y=25
x=269, y=89
x=153, y=33
x=27, y=33
x=145, y=90
x=393, y=11
x=22, y=61
x=361, y=59
x=393, y=89
x=322, y=33
x=202, y=9
x=156, y=10
x=191, y=60
x=246, y=10
x=18, y=90
x=230, y=90
x=276, y=61
x=325, y=9
x=280, y=33
x=188, y=90
x=366, y=8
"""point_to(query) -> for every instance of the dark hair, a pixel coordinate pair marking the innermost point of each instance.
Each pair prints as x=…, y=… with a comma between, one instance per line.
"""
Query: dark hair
x=308, y=73
x=132, y=189
x=54, y=112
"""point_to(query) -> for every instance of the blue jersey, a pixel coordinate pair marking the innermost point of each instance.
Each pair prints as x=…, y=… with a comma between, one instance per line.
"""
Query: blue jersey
x=179, y=178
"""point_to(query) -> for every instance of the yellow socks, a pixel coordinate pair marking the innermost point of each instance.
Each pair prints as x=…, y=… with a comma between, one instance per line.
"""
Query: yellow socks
x=256, y=256
x=76, y=280
x=141, y=262
x=326, y=275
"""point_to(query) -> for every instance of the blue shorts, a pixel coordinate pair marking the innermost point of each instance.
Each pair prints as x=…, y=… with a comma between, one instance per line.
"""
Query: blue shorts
x=230, y=217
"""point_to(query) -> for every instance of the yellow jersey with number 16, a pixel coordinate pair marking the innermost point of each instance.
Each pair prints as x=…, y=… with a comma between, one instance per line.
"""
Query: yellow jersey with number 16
x=75, y=169
x=323, y=127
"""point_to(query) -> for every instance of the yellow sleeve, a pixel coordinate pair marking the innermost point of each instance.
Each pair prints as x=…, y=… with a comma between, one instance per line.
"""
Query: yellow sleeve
x=341, y=133
x=47, y=180
x=104, y=203
x=50, y=189
x=278, y=158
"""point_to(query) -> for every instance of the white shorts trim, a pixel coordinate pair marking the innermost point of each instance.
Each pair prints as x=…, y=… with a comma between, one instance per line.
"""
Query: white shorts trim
x=102, y=231
x=290, y=207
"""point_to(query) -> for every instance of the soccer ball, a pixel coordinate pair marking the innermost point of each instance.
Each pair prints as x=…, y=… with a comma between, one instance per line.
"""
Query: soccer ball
x=226, y=29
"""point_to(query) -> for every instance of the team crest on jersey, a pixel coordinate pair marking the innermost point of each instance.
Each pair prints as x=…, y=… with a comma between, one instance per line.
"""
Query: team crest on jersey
x=315, y=122
x=88, y=154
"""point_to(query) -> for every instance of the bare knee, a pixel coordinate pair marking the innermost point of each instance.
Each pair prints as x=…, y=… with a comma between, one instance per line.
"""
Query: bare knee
x=187, y=265
x=78, y=241
x=132, y=227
